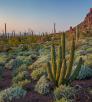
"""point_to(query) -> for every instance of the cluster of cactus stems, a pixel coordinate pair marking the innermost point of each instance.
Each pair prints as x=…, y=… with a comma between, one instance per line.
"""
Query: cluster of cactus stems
x=58, y=71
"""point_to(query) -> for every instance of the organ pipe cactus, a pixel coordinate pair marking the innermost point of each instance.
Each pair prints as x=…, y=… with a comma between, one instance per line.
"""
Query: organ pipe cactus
x=59, y=72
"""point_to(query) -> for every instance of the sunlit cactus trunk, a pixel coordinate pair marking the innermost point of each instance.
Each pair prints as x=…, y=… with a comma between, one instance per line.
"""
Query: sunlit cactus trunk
x=71, y=59
x=62, y=73
x=63, y=46
x=50, y=76
x=59, y=62
x=77, y=70
x=53, y=61
x=77, y=35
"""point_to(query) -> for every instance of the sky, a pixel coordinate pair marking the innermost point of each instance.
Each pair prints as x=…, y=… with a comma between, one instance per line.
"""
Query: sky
x=39, y=15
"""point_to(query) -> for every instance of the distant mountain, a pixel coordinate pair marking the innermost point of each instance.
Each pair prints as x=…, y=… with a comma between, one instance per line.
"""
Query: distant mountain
x=84, y=27
x=87, y=23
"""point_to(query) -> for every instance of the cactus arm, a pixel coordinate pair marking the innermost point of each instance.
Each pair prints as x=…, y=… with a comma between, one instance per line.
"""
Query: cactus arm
x=59, y=63
x=69, y=69
x=76, y=72
x=53, y=61
x=62, y=72
x=50, y=76
x=63, y=46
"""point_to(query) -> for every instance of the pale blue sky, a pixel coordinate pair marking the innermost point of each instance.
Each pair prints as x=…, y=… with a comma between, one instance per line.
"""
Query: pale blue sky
x=39, y=15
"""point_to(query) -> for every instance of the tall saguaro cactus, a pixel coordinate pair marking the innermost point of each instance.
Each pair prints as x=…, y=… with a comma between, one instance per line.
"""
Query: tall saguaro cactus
x=58, y=72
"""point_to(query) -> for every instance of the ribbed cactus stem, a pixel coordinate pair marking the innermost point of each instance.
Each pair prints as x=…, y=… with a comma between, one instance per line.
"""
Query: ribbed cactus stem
x=50, y=76
x=59, y=62
x=63, y=46
x=62, y=72
x=77, y=70
x=77, y=33
x=69, y=69
x=53, y=61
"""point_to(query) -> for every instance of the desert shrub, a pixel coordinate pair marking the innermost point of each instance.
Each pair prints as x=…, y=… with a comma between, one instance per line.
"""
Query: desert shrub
x=21, y=68
x=4, y=48
x=11, y=93
x=89, y=50
x=3, y=58
x=88, y=61
x=21, y=76
x=28, y=60
x=39, y=63
x=22, y=83
x=84, y=73
x=23, y=47
x=36, y=74
x=44, y=51
x=20, y=57
x=43, y=86
x=63, y=100
x=13, y=64
x=63, y=91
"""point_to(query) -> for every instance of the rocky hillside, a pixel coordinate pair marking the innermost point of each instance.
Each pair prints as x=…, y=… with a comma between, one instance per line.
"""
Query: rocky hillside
x=86, y=25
